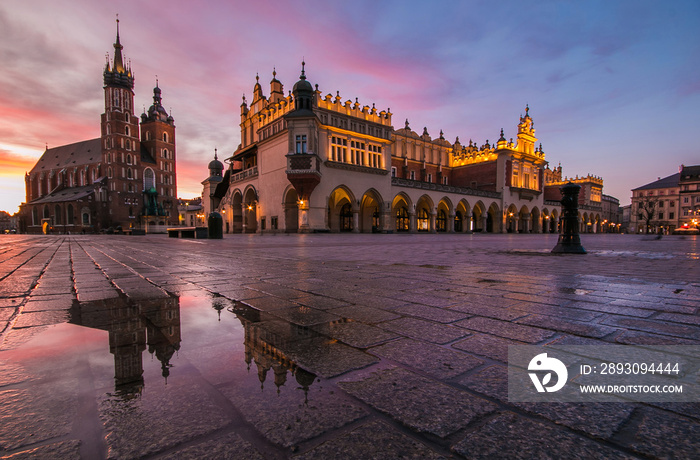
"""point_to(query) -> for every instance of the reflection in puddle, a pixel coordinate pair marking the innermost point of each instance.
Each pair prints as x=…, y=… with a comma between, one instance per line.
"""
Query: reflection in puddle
x=133, y=327
x=268, y=340
x=154, y=325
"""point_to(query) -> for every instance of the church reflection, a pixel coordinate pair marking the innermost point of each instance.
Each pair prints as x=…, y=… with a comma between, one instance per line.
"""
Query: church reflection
x=269, y=341
x=134, y=326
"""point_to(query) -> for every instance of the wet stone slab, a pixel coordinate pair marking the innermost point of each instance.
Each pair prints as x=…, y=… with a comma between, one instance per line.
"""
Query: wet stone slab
x=505, y=329
x=665, y=435
x=442, y=363
x=385, y=441
x=64, y=450
x=297, y=412
x=328, y=358
x=36, y=415
x=571, y=327
x=183, y=412
x=41, y=318
x=355, y=334
x=439, y=315
x=305, y=316
x=425, y=330
x=367, y=315
x=486, y=345
x=509, y=435
x=230, y=445
x=420, y=403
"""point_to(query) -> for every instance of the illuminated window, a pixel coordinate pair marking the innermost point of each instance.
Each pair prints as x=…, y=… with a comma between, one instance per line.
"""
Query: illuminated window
x=422, y=221
x=402, y=220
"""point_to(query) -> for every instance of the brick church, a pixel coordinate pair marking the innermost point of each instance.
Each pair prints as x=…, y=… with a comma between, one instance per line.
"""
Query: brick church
x=123, y=180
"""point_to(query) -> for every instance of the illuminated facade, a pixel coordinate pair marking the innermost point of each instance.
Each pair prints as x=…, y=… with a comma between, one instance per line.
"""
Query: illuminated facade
x=310, y=162
x=124, y=178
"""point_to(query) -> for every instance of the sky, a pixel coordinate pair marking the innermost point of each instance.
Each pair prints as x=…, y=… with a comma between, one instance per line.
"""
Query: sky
x=613, y=86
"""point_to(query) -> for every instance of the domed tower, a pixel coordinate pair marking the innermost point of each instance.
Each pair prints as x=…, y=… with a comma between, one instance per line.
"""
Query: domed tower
x=158, y=152
x=303, y=162
x=216, y=176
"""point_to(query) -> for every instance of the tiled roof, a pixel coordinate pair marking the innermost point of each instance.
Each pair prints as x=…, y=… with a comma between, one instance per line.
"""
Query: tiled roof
x=66, y=194
x=666, y=182
x=65, y=156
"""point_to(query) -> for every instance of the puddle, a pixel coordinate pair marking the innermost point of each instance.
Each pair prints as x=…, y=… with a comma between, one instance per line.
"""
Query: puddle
x=188, y=365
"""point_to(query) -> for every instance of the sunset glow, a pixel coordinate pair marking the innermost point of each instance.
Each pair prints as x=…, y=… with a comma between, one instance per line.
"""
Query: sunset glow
x=611, y=85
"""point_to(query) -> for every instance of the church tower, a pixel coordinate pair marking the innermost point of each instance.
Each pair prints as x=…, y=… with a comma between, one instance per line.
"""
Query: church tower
x=121, y=148
x=158, y=144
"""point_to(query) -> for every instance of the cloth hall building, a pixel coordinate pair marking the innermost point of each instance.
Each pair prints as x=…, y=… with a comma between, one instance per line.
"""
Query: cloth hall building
x=126, y=178
x=310, y=162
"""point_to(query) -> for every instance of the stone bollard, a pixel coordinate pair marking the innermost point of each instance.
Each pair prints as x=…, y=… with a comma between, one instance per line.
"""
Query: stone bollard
x=216, y=226
x=569, y=239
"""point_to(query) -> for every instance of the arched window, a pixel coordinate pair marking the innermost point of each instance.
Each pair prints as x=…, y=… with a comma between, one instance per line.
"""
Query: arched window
x=149, y=179
x=165, y=153
x=422, y=221
x=165, y=137
x=458, y=222
x=129, y=174
x=109, y=172
x=57, y=215
x=148, y=135
x=346, y=218
x=402, y=220
x=46, y=211
x=109, y=129
x=70, y=215
x=127, y=131
x=35, y=217
x=85, y=216
x=128, y=159
x=441, y=222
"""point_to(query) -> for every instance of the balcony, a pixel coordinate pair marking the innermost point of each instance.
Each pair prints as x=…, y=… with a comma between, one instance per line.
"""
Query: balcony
x=245, y=174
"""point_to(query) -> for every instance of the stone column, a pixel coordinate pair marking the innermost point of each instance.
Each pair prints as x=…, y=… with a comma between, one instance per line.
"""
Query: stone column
x=355, y=221
x=412, y=221
x=244, y=217
x=467, y=224
x=432, y=228
x=451, y=223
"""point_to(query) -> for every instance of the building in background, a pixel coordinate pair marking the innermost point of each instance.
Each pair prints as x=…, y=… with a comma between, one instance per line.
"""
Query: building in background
x=314, y=163
x=655, y=206
x=191, y=213
x=124, y=179
x=689, y=198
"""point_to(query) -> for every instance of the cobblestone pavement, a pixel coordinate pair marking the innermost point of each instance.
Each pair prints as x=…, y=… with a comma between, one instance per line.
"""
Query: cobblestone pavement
x=328, y=346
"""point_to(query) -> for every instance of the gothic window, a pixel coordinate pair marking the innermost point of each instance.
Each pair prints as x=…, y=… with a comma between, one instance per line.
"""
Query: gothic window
x=458, y=222
x=127, y=131
x=441, y=221
x=109, y=172
x=165, y=153
x=149, y=180
x=35, y=217
x=129, y=174
x=46, y=211
x=85, y=213
x=69, y=213
x=422, y=221
x=346, y=218
x=109, y=129
x=57, y=215
x=402, y=220
x=165, y=137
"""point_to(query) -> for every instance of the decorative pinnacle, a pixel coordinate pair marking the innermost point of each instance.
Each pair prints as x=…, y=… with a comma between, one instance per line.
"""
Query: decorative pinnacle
x=303, y=73
x=216, y=157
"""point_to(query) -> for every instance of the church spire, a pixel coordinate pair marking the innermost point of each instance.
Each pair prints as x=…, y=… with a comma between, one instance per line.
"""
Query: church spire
x=118, y=60
x=118, y=75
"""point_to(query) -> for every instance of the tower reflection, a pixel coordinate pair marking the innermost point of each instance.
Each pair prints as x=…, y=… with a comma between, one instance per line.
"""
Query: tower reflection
x=133, y=326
